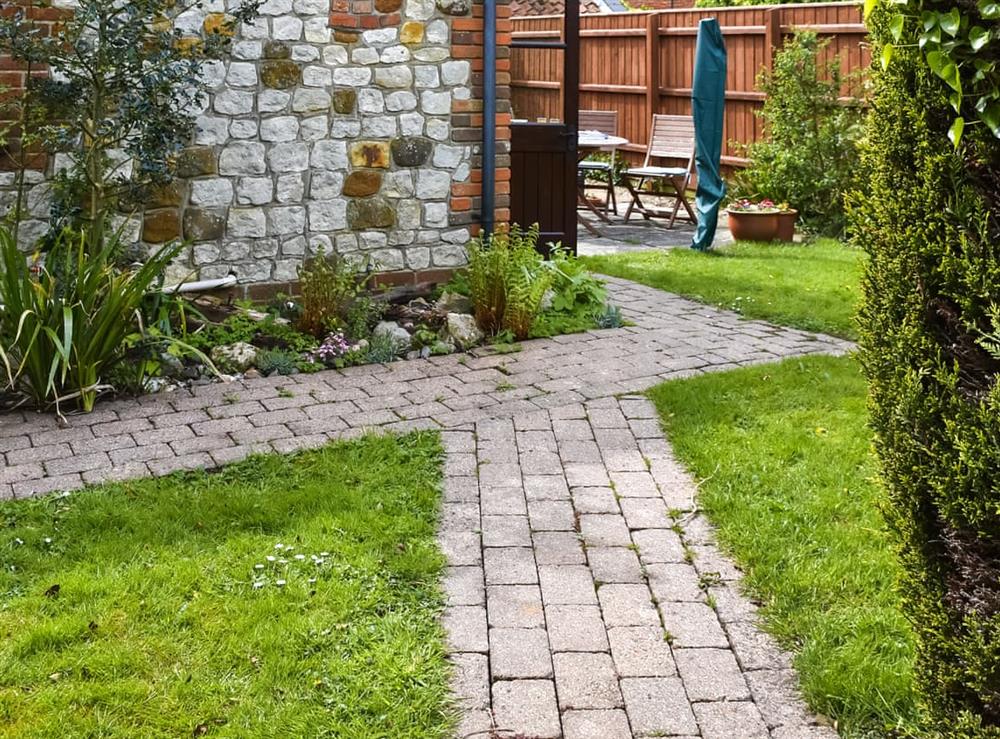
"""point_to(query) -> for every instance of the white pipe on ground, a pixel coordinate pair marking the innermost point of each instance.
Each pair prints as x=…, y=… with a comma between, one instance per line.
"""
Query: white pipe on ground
x=200, y=286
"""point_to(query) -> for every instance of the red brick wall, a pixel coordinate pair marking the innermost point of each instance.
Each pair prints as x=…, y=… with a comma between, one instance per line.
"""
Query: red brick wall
x=467, y=116
x=13, y=79
x=364, y=14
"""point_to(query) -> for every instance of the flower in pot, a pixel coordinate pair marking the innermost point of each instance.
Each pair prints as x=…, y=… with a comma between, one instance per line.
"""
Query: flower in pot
x=761, y=220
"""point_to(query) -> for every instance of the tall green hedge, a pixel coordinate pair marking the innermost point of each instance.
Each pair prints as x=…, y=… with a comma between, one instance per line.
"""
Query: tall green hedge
x=931, y=225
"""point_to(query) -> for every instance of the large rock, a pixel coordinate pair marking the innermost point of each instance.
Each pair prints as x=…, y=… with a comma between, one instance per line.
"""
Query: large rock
x=461, y=330
x=450, y=302
x=234, y=357
x=400, y=336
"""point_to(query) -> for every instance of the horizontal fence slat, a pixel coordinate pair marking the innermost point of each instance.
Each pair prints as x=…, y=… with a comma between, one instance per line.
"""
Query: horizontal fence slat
x=641, y=63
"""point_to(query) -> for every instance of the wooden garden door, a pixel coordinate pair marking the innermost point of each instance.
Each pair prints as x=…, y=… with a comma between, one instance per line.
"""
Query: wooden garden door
x=544, y=155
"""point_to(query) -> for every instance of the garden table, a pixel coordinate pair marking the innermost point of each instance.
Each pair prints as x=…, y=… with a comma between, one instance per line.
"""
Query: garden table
x=587, y=143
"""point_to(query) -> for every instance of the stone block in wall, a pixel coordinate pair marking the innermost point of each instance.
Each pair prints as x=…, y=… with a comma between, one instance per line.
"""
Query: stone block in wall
x=410, y=151
x=369, y=154
x=202, y=224
x=161, y=226
x=362, y=183
x=368, y=213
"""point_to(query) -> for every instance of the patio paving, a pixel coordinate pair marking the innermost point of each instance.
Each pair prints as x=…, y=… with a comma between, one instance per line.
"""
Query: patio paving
x=580, y=571
x=638, y=234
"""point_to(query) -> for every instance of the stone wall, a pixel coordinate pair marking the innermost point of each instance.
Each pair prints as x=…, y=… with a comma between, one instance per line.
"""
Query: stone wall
x=353, y=127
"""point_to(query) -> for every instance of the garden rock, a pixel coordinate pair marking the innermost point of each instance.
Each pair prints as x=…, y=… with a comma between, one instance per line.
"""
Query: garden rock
x=399, y=335
x=236, y=357
x=450, y=302
x=461, y=329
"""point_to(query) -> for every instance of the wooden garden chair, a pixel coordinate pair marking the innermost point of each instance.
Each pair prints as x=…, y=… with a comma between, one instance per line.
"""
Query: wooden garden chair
x=670, y=137
x=605, y=121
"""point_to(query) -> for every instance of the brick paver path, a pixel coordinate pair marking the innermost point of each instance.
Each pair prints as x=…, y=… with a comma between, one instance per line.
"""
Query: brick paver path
x=581, y=576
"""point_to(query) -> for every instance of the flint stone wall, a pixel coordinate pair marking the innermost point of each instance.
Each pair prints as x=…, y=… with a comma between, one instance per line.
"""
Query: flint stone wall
x=314, y=137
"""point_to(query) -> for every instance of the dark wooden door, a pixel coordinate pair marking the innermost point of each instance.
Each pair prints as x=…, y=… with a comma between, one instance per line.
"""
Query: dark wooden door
x=543, y=156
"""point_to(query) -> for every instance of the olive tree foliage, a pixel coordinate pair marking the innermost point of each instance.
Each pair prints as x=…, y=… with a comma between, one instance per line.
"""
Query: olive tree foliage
x=122, y=88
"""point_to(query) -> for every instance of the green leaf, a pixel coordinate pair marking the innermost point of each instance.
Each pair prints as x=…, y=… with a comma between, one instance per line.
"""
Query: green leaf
x=950, y=22
x=955, y=99
x=887, y=55
x=991, y=117
x=955, y=132
x=896, y=26
x=869, y=7
x=978, y=37
x=989, y=9
x=935, y=60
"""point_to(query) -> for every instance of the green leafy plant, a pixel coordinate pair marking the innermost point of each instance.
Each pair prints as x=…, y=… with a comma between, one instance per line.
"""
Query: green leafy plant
x=960, y=43
x=507, y=279
x=809, y=157
x=335, y=297
x=65, y=323
x=277, y=362
x=382, y=349
x=611, y=317
x=929, y=223
x=120, y=98
x=575, y=289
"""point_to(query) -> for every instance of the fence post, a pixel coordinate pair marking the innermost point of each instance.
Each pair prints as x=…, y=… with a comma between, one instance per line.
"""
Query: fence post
x=772, y=33
x=652, y=65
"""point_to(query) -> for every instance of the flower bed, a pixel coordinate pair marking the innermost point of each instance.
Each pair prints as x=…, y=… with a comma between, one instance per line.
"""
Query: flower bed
x=509, y=292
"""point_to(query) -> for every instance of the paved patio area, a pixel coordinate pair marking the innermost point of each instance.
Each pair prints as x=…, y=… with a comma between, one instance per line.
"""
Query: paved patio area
x=638, y=234
x=580, y=573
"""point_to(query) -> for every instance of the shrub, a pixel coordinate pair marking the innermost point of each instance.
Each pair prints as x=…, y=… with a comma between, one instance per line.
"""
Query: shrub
x=930, y=226
x=334, y=297
x=121, y=64
x=63, y=329
x=809, y=158
x=507, y=279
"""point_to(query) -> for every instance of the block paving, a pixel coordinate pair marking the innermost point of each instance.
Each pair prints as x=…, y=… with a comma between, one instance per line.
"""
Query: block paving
x=585, y=596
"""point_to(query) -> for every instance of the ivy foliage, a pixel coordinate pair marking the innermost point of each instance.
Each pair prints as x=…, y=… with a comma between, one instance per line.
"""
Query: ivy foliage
x=960, y=43
x=123, y=87
x=928, y=325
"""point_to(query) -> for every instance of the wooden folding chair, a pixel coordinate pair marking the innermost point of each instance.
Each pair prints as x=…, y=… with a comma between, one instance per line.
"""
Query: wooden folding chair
x=605, y=121
x=670, y=136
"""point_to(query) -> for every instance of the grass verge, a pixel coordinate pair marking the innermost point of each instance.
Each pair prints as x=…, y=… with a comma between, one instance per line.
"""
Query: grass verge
x=282, y=596
x=782, y=453
x=815, y=287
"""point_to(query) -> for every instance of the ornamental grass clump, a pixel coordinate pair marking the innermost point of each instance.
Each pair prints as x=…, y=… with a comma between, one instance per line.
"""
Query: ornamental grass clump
x=65, y=322
x=508, y=279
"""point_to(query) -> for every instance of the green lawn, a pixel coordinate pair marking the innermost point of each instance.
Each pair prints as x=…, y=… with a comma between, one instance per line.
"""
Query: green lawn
x=281, y=597
x=813, y=287
x=782, y=453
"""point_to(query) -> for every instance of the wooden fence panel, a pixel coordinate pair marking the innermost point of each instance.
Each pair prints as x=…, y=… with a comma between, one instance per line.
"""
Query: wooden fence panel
x=642, y=63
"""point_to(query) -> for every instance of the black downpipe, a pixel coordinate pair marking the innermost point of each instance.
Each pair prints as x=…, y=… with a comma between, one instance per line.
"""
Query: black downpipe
x=489, y=116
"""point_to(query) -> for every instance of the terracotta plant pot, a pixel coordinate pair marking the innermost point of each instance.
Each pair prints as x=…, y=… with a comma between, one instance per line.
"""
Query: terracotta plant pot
x=748, y=225
x=786, y=224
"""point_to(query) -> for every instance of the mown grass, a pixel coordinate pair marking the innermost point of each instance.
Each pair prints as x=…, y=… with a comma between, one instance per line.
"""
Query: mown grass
x=782, y=453
x=153, y=608
x=815, y=286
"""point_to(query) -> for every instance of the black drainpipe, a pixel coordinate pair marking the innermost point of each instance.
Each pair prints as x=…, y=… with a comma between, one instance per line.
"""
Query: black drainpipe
x=489, y=115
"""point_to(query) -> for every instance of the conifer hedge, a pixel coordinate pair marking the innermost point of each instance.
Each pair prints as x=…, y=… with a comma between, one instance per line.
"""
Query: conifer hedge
x=930, y=223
